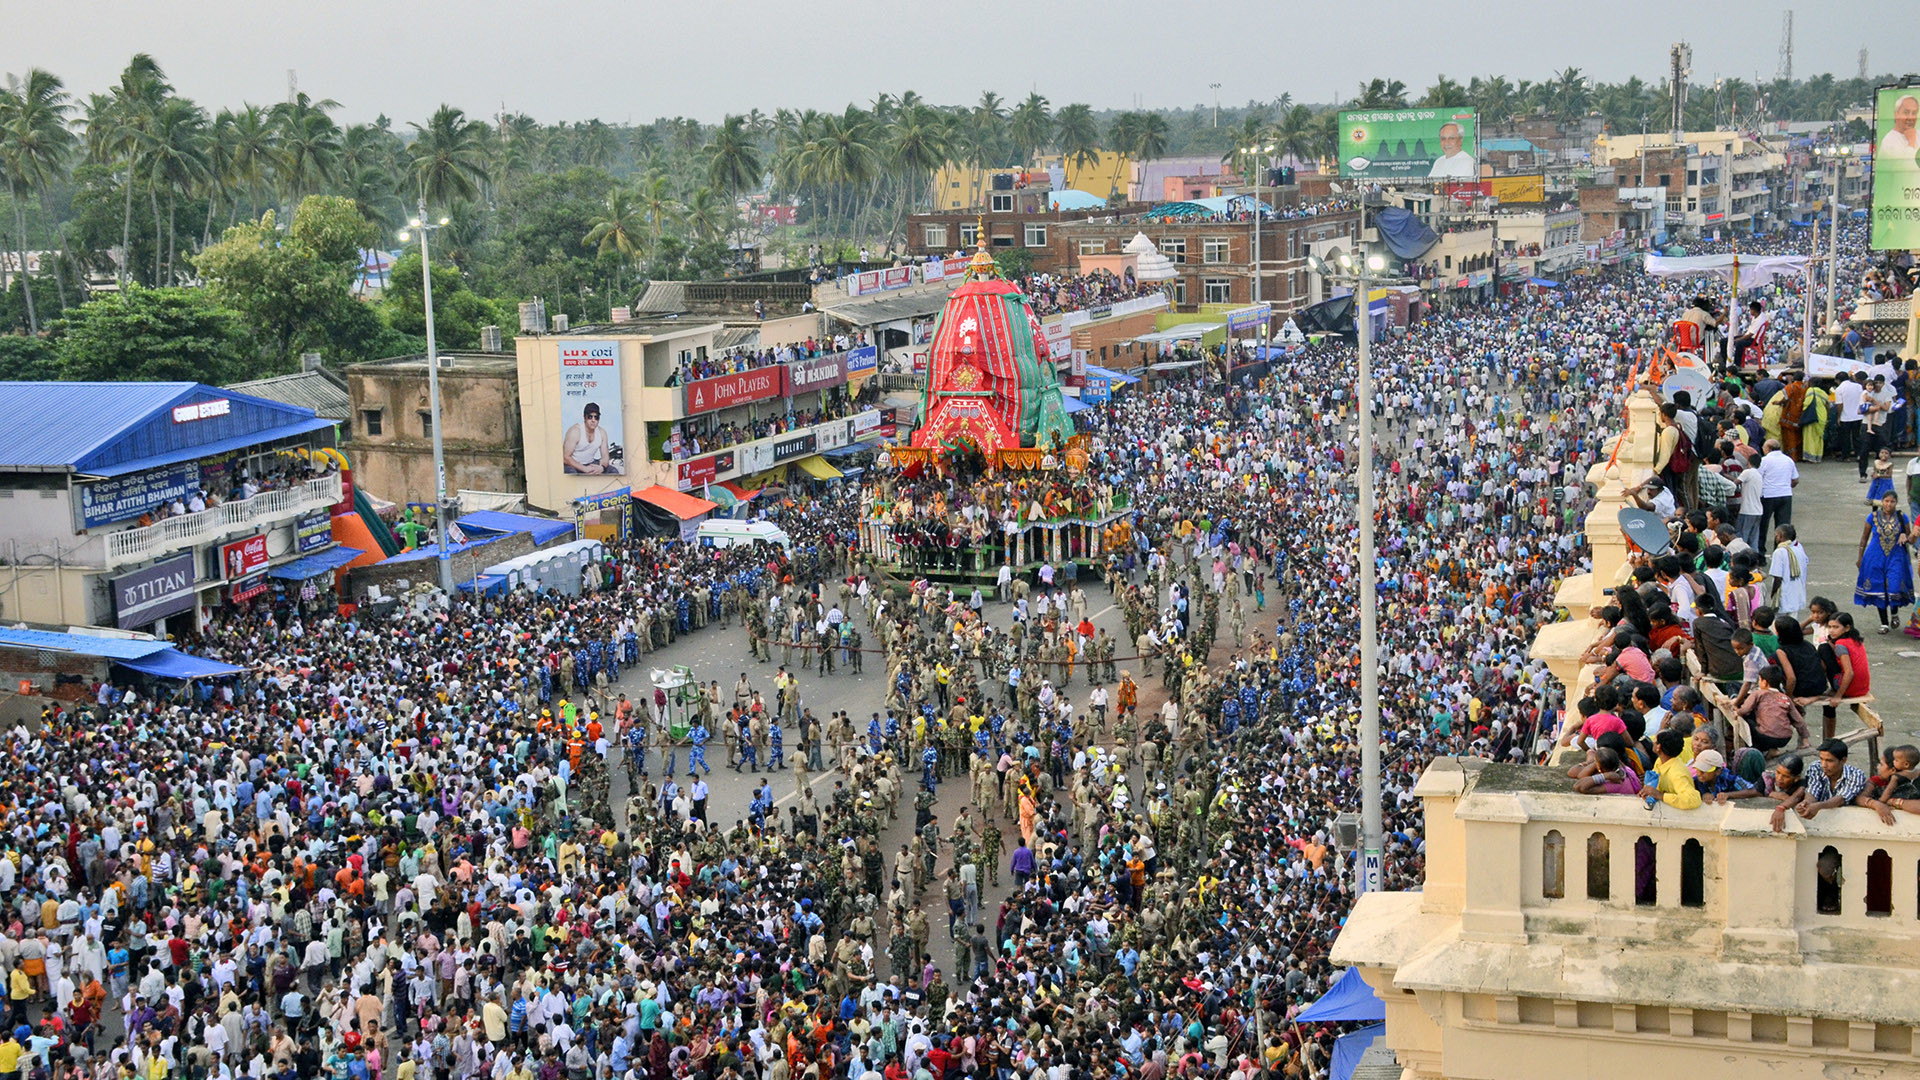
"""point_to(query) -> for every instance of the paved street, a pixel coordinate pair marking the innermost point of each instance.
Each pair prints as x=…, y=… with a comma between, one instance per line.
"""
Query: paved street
x=1829, y=508
x=717, y=654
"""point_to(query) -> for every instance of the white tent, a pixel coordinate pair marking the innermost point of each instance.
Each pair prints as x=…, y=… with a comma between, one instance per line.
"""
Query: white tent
x=1753, y=270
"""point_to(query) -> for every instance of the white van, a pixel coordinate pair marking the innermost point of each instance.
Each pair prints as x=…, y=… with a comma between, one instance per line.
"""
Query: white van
x=726, y=533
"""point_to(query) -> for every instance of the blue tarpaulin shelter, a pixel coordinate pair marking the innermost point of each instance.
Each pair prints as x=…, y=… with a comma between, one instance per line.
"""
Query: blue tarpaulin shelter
x=1348, y=1048
x=314, y=565
x=1544, y=283
x=1350, y=998
x=171, y=663
x=1406, y=235
x=1075, y=405
x=1117, y=378
x=545, y=530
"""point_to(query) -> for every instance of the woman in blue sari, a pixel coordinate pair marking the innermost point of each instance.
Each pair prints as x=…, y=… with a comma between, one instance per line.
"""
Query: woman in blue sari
x=1886, y=568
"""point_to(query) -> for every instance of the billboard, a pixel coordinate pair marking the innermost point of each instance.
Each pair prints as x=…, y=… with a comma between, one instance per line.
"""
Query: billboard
x=146, y=596
x=1410, y=144
x=123, y=498
x=312, y=531
x=244, y=557
x=594, y=443
x=692, y=474
x=1521, y=188
x=1896, y=169
x=820, y=373
x=706, y=395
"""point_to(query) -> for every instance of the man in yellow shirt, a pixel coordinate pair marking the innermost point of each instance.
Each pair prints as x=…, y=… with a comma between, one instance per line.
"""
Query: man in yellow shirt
x=10, y=1052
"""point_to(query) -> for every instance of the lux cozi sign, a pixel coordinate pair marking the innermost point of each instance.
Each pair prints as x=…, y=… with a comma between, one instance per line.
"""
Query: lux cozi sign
x=722, y=391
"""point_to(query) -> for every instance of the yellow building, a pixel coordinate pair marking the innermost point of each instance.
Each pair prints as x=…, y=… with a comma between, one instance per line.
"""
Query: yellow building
x=959, y=186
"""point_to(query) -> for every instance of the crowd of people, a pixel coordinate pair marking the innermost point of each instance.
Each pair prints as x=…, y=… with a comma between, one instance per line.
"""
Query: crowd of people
x=217, y=488
x=753, y=357
x=1051, y=294
x=398, y=849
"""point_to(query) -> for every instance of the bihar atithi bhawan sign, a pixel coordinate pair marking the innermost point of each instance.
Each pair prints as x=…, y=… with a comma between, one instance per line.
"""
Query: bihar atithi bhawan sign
x=148, y=595
x=722, y=391
x=122, y=498
x=819, y=373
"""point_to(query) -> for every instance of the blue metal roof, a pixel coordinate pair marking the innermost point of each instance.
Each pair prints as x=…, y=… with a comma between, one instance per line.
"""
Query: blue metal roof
x=109, y=428
x=1509, y=146
x=432, y=551
x=544, y=530
x=114, y=648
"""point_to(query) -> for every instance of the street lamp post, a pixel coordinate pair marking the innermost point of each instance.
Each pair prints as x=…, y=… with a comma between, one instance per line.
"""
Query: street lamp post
x=1361, y=268
x=440, y=509
x=1839, y=154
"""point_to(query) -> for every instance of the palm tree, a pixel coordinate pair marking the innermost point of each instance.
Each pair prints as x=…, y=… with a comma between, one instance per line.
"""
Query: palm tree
x=309, y=151
x=1293, y=134
x=656, y=204
x=1382, y=94
x=1252, y=145
x=620, y=229
x=253, y=150
x=1493, y=97
x=1029, y=126
x=733, y=158
x=1326, y=135
x=1444, y=93
x=449, y=157
x=596, y=143
x=1140, y=134
x=917, y=145
x=35, y=143
x=114, y=133
x=1569, y=94
x=707, y=216
x=175, y=150
x=1077, y=134
x=990, y=127
x=841, y=158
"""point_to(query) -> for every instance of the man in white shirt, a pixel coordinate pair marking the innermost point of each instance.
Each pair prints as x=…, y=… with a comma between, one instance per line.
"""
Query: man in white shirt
x=1748, y=523
x=1875, y=408
x=1848, y=396
x=1454, y=163
x=1778, y=477
x=1789, y=572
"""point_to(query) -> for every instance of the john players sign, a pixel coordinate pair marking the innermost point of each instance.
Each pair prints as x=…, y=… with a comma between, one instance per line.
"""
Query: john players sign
x=146, y=596
x=706, y=395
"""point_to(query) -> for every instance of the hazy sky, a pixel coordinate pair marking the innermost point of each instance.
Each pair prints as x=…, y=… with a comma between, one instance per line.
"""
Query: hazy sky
x=573, y=59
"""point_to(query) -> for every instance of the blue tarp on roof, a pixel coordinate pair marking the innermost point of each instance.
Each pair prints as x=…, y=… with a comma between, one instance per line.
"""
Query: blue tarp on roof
x=544, y=530
x=171, y=663
x=848, y=451
x=315, y=565
x=1074, y=199
x=113, y=648
x=1349, y=999
x=432, y=551
x=1117, y=378
x=1508, y=146
x=107, y=429
x=1405, y=233
x=1075, y=405
x=1544, y=283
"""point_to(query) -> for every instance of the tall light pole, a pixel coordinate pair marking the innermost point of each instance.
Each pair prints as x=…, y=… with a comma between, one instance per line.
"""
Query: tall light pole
x=1258, y=156
x=440, y=510
x=1839, y=154
x=1359, y=268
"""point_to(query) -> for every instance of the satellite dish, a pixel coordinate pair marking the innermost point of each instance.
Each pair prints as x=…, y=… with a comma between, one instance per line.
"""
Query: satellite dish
x=1646, y=530
x=1337, y=189
x=1695, y=381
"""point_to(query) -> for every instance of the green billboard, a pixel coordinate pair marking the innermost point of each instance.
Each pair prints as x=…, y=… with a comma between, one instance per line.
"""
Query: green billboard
x=1896, y=169
x=1410, y=144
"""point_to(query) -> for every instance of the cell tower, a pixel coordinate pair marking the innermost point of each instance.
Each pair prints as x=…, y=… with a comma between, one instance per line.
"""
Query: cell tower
x=1862, y=74
x=1785, y=71
x=293, y=84
x=1681, y=56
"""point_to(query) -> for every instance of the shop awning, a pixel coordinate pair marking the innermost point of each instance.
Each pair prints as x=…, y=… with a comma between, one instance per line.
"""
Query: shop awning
x=174, y=664
x=1185, y=332
x=1173, y=365
x=817, y=467
x=1543, y=283
x=683, y=506
x=850, y=449
x=1075, y=405
x=314, y=565
x=1117, y=378
x=544, y=530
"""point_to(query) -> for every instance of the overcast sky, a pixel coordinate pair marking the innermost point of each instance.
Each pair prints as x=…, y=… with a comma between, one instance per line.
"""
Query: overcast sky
x=639, y=59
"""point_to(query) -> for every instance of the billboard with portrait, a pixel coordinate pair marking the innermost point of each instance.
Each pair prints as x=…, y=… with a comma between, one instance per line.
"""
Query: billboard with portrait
x=1410, y=144
x=1896, y=168
x=593, y=443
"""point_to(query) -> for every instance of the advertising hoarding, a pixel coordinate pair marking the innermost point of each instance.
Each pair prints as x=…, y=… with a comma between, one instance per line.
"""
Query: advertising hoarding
x=797, y=446
x=692, y=474
x=123, y=498
x=1896, y=168
x=1410, y=144
x=819, y=373
x=312, y=531
x=243, y=557
x=722, y=391
x=590, y=409
x=862, y=360
x=148, y=595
